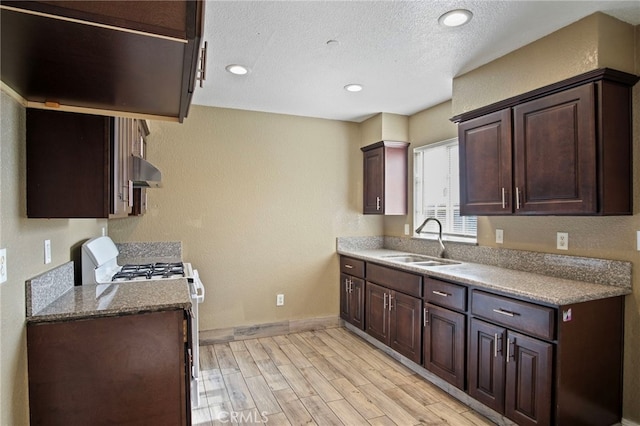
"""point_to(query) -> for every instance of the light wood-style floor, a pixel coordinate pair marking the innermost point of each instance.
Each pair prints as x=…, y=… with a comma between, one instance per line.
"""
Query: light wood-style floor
x=327, y=377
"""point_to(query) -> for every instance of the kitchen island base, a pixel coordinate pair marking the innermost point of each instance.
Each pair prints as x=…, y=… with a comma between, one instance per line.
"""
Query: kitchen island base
x=129, y=369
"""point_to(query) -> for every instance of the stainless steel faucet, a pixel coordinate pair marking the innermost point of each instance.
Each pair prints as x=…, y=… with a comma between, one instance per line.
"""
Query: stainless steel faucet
x=419, y=230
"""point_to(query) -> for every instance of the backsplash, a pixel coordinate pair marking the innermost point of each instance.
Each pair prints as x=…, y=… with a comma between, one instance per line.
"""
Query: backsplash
x=592, y=270
x=137, y=252
x=45, y=288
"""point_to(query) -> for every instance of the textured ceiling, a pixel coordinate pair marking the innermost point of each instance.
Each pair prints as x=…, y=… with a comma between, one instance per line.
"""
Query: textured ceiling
x=396, y=50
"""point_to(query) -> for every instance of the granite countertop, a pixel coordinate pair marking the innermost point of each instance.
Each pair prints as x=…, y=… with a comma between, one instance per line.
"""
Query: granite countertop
x=122, y=298
x=535, y=287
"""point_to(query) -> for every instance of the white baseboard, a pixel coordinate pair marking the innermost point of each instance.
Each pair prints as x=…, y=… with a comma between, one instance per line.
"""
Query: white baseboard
x=626, y=422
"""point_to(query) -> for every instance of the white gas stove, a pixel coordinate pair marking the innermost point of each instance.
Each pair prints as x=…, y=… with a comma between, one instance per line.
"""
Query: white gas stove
x=100, y=265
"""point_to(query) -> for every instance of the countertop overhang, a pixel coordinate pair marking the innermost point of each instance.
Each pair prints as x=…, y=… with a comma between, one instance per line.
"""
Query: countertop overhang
x=535, y=287
x=113, y=299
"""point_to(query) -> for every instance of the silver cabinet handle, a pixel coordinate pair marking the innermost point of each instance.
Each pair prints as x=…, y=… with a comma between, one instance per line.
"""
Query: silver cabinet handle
x=503, y=312
x=384, y=306
x=390, y=298
x=508, y=348
x=426, y=316
x=440, y=293
x=517, y=198
x=495, y=345
x=377, y=203
x=346, y=265
x=202, y=69
x=346, y=285
x=504, y=201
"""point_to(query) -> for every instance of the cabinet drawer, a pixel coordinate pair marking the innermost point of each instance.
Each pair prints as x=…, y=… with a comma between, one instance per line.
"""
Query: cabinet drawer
x=445, y=294
x=351, y=266
x=526, y=317
x=393, y=279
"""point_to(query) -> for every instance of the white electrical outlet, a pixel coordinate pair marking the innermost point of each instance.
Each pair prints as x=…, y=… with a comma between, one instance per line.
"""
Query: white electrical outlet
x=406, y=229
x=3, y=265
x=499, y=236
x=280, y=300
x=562, y=240
x=47, y=251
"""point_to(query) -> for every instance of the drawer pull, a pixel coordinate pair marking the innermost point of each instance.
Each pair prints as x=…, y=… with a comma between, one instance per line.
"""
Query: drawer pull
x=503, y=312
x=440, y=293
x=346, y=265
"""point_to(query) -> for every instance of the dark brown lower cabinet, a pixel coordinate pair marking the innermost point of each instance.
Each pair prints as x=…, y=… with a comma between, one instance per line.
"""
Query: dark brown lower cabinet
x=511, y=373
x=129, y=369
x=395, y=319
x=444, y=343
x=352, y=300
x=528, y=380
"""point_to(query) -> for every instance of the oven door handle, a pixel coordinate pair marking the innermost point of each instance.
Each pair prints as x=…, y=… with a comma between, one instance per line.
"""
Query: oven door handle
x=199, y=295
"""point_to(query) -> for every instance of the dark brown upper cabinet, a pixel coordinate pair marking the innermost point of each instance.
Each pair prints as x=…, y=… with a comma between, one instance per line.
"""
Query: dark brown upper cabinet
x=385, y=178
x=565, y=149
x=79, y=165
x=103, y=57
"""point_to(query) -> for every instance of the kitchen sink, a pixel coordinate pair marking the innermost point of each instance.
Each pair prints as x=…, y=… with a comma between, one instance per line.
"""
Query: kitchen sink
x=419, y=260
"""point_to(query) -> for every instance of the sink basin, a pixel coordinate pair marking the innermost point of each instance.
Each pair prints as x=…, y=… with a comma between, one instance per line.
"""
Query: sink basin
x=419, y=260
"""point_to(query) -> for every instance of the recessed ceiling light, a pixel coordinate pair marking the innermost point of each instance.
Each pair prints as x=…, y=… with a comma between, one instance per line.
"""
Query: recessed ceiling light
x=455, y=18
x=353, y=87
x=237, y=69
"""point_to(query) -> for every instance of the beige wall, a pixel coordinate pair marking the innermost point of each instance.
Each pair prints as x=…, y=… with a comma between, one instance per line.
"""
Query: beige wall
x=594, y=42
x=258, y=200
x=23, y=238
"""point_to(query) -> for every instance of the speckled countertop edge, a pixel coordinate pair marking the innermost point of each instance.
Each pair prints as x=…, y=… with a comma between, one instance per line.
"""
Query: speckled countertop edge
x=123, y=298
x=535, y=287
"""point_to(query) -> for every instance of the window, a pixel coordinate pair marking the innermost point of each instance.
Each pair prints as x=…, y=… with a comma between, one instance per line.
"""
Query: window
x=436, y=191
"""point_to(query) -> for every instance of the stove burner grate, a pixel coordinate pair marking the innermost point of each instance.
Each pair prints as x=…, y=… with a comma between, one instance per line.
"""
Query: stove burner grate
x=149, y=270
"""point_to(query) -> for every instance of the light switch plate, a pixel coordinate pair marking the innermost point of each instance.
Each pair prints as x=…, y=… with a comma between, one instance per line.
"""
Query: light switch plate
x=3, y=265
x=499, y=236
x=406, y=229
x=562, y=241
x=638, y=240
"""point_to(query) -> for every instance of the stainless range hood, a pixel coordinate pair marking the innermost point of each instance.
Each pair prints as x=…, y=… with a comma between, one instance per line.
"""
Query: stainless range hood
x=144, y=174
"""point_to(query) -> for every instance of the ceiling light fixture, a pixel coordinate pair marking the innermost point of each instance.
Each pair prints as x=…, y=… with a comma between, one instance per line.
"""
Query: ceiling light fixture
x=455, y=18
x=237, y=69
x=353, y=87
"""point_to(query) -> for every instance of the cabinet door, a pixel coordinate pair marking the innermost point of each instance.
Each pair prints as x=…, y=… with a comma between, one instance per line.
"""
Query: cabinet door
x=405, y=325
x=345, y=303
x=377, y=312
x=555, y=153
x=374, y=181
x=122, y=145
x=486, y=164
x=444, y=344
x=356, y=296
x=528, y=380
x=487, y=364
x=111, y=370
x=68, y=158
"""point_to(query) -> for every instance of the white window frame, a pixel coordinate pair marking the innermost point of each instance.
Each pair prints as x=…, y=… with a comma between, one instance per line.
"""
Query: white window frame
x=445, y=209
